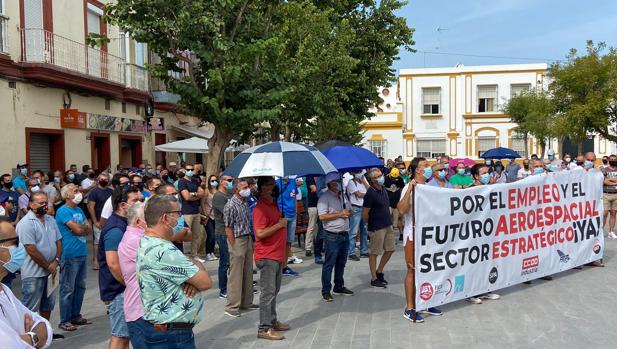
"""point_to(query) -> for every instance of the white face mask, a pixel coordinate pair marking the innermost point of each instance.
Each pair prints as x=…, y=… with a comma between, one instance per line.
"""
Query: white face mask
x=77, y=199
x=245, y=193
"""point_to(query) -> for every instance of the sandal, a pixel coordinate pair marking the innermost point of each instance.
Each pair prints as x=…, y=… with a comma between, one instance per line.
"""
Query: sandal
x=81, y=321
x=67, y=327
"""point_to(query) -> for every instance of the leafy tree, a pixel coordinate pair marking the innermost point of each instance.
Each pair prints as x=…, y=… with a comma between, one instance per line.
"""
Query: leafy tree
x=584, y=89
x=305, y=67
x=534, y=112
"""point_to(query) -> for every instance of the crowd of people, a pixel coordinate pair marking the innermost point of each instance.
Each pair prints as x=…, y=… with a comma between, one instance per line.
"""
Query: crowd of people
x=140, y=220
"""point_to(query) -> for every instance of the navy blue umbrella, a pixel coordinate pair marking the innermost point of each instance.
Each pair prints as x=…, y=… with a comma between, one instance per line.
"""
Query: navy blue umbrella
x=348, y=158
x=279, y=159
x=500, y=153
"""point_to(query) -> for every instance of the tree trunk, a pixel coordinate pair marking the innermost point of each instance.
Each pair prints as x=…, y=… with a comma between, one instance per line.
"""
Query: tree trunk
x=542, y=148
x=216, y=148
x=580, y=149
x=526, y=141
x=275, y=133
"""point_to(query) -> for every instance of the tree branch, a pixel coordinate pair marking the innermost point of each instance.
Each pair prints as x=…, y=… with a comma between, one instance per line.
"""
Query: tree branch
x=238, y=20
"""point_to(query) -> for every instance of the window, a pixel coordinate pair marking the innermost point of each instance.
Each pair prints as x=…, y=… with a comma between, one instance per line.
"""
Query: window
x=122, y=44
x=431, y=98
x=431, y=148
x=518, y=144
x=487, y=98
x=140, y=54
x=485, y=143
x=517, y=89
x=378, y=148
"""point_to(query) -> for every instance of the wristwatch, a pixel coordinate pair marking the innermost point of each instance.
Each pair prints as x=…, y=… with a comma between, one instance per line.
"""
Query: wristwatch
x=34, y=337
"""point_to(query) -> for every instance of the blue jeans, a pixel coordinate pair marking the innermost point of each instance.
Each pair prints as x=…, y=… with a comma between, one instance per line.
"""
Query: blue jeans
x=357, y=224
x=336, y=258
x=221, y=240
x=170, y=339
x=210, y=239
x=34, y=294
x=319, y=240
x=72, y=288
x=136, y=334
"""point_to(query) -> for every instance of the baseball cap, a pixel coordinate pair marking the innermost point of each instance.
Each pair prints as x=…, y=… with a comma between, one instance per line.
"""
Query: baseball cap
x=394, y=172
x=332, y=176
x=551, y=152
x=299, y=179
x=22, y=164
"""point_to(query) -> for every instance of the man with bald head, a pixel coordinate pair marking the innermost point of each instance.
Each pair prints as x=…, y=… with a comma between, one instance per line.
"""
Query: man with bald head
x=19, y=327
x=590, y=160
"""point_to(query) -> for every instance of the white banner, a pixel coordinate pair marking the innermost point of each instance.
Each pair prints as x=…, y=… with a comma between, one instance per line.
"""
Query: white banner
x=469, y=242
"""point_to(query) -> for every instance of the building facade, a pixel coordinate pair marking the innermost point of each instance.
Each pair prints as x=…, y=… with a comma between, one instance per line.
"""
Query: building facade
x=64, y=102
x=458, y=112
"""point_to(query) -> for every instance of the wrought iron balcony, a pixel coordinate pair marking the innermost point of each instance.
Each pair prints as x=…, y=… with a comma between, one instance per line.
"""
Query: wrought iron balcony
x=136, y=77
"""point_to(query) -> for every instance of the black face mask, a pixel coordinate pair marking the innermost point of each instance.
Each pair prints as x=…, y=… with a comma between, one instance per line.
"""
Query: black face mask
x=181, y=174
x=166, y=177
x=613, y=163
x=7, y=185
x=604, y=161
x=580, y=163
x=526, y=166
x=41, y=211
x=139, y=186
x=103, y=183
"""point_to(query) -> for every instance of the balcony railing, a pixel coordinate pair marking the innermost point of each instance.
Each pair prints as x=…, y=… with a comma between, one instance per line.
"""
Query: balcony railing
x=136, y=77
x=41, y=46
x=4, y=35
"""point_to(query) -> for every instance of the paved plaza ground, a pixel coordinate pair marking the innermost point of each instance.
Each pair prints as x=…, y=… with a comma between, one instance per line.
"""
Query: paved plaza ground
x=578, y=309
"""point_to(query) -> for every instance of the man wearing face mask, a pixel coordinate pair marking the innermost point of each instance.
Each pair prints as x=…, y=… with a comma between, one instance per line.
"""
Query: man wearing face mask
x=33, y=186
x=219, y=200
x=97, y=198
x=181, y=231
x=461, y=180
x=604, y=162
x=402, y=170
x=20, y=328
x=334, y=212
x=191, y=194
x=12, y=198
x=117, y=181
x=524, y=172
x=165, y=272
x=73, y=227
x=610, y=194
x=376, y=212
x=39, y=234
x=19, y=182
x=286, y=187
x=450, y=170
x=498, y=175
x=356, y=189
x=555, y=163
x=394, y=185
x=111, y=283
x=590, y=160
x=237, y=228
x=438, y=178
x=537, y=168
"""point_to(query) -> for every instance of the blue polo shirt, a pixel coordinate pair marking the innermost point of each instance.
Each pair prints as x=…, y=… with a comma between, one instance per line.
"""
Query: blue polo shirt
x=111, y=235
x=287, y=197
x=72, y=245
x=378, y=202
x=18, y=182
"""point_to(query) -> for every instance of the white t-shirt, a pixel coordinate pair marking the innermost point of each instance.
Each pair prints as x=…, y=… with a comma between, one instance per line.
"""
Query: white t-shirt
x=353, y=187
x=108, y=209
x=522, y=173
x=12, y=315
x=407, y=217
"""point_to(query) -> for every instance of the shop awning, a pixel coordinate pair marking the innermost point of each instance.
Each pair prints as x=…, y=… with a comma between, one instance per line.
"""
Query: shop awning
x=191, y=145
x=201, y=132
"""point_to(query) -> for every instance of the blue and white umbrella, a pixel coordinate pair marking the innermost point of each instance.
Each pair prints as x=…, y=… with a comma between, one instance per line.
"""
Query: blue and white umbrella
x=280, y=159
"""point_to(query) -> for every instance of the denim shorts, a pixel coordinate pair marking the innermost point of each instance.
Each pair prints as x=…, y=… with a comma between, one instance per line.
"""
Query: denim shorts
x=34, y=294
x=291, y=230
x=116, y=317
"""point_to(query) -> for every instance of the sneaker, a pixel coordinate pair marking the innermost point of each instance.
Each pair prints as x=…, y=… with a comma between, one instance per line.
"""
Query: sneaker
x=318, y=260
x=432, y=311
x=57, y=337
x=308, y=253
x=547, y=278
x=413, y=316
x=232, y=313
x=327, y=297
x=222, y=295
x=381, y=277
x=294, y=260
x=353, y=257
x=343, y=292
x=491, y=296
x=474, y=300
x=364, y=255
x=270, y=334
x=612, y=235
x=211, y=257
x=378, y=283
x=289, y=272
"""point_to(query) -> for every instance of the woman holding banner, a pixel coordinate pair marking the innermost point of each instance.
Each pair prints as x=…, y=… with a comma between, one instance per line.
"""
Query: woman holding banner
x=481, y=176
x=421, y=172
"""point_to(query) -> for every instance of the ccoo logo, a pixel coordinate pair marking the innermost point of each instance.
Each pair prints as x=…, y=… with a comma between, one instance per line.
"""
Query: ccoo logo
x=493, y=275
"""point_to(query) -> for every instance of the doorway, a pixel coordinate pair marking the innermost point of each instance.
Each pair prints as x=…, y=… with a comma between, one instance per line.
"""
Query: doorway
x=130, y=151
x=100, y=151
x=160, y=156
x=45, y=149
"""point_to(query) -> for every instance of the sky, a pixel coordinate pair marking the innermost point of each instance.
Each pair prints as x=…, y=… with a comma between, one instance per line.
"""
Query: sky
x=544, y=30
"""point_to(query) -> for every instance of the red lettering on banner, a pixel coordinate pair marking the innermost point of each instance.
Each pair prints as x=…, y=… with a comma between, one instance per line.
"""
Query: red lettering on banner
x=502, y=226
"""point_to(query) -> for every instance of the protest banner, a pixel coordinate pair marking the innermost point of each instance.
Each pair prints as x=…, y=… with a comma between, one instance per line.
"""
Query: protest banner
x=469, y=242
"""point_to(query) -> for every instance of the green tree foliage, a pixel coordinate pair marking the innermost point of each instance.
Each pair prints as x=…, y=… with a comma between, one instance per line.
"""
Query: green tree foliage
x=534, y=112
x=584, y=90
x=308, y=68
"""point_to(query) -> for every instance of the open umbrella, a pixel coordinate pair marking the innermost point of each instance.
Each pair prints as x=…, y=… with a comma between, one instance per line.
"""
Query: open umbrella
x=333, y=143
x=347, y=158
x=280, y=159
x=466, y=161
x=500, y=153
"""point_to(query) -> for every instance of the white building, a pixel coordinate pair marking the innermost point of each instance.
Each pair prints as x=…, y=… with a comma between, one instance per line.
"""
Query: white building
x=457, y=111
